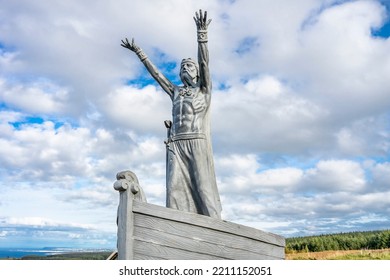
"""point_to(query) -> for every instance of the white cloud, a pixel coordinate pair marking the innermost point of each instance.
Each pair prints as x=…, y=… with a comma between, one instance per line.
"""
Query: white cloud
x=299, y=111
x=378, y=201
x=42, y=151
x=37, y=222
x=381, y=176
x=246, y=117
x=140, y=110
x=241, y=174
x=236, y=164
x=38, y=98
x=365, y=137
x=40, y=232
x=351, y=73
x=335, y=175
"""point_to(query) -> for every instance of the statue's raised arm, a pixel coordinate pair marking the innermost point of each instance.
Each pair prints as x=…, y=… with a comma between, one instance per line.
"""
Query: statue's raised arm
x=202, y=24
x=166, y=84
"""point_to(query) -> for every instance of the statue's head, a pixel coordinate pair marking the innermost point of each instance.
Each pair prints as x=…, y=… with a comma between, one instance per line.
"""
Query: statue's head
x=189, y=72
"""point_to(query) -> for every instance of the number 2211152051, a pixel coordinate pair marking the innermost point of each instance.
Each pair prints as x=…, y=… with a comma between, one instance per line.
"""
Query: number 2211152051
x=242, y=270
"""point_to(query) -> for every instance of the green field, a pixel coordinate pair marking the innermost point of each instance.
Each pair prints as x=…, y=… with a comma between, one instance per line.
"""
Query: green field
x=342, y=255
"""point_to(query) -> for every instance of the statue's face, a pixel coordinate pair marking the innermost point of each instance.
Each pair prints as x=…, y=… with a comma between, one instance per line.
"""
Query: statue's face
x=190, y=69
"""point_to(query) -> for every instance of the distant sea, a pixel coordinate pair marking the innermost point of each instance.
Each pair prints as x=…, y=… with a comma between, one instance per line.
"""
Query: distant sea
x=6, y=253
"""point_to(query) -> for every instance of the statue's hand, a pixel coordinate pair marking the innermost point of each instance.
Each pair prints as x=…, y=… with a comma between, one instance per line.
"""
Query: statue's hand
x=201, y=20
x=131, y=46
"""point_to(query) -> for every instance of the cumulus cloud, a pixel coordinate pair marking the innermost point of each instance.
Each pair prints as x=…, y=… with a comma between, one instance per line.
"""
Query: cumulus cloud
x=247, y=116
x=381, y=176
x=335, y=175
x=333, y=192
x=352, y=70
x=123, y=108
x=38, y=231
x=299, y=111
x=38, y=98
x=368, y=136
x=42, y=151
x=242, y=174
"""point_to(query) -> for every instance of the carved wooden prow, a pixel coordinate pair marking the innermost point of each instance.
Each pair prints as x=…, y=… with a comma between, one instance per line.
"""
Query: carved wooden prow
x=128, y=186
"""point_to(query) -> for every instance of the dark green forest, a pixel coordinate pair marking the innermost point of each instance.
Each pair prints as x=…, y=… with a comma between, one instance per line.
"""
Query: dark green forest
x=341, y=241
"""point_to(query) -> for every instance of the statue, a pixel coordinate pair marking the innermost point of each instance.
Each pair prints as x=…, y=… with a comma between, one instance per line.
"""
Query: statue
x=191, y=183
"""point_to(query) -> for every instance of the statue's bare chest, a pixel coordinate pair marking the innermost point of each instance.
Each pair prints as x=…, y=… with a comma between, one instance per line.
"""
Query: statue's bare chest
x=189, y=106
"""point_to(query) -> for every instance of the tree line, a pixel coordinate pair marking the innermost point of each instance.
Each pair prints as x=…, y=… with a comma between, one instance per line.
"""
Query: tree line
x=341, y=241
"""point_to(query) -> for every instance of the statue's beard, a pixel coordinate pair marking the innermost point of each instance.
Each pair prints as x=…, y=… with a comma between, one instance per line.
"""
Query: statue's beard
x=187, y=79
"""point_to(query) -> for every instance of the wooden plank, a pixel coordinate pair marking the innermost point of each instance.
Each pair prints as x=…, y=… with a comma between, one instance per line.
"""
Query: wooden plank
x=195, y=245
x=214, y=238
x=140, y=256
x=125, y=226
x=207, y=222
x=157, y=251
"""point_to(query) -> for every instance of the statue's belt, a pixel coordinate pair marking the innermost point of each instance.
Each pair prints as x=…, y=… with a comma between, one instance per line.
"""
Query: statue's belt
x=186, y=136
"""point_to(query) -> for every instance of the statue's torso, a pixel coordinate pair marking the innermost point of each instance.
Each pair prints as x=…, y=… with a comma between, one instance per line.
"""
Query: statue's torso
x=189, y=108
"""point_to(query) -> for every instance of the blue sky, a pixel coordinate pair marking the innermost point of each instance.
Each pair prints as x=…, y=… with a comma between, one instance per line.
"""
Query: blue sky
x=300, y=113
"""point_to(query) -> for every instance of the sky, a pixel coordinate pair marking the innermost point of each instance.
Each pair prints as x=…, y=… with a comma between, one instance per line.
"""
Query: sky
x=300, y=113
